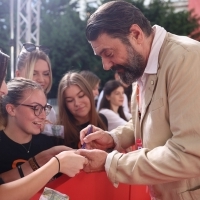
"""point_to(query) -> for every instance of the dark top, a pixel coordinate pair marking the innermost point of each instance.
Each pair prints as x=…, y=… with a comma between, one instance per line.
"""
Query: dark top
x=104, y=119
x=12, y=153
x=77, y=145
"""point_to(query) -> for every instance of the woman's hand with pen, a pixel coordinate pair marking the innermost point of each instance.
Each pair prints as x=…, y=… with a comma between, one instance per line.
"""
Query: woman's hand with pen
x=96, y=139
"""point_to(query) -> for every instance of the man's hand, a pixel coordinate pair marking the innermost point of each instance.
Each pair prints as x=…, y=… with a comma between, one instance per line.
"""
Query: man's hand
x=98, y=139
x=96, y=159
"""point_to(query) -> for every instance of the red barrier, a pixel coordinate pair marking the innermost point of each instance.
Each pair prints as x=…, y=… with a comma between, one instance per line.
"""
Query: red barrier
x=94, y=186
x=139, y=192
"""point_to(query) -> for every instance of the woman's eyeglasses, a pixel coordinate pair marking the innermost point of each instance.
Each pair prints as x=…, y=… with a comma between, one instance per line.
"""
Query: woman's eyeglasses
x=39, y=108
x=32, y=47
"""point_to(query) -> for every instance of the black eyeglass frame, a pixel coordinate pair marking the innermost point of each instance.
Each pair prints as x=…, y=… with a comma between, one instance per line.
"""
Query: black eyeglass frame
x=47, y=108
x=30, y=47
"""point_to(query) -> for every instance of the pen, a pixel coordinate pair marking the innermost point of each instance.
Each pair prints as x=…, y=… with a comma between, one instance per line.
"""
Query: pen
x=88, y=132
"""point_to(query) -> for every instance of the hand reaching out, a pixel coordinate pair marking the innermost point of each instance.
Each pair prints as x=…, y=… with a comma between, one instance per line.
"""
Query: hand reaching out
x=71, y=162
x=96, y=159
x=98, y=139
x=44, y=156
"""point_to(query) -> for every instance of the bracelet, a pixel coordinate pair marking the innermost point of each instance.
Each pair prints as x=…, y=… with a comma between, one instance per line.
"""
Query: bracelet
x=20, y=171
x=35, y=162
x=58, y=163
x=33, y=165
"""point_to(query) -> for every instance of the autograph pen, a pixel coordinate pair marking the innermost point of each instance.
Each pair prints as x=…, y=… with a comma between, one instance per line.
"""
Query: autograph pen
x=88, y=132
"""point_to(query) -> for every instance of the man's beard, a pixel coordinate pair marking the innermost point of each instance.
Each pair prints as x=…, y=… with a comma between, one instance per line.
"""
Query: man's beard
x=133, y=69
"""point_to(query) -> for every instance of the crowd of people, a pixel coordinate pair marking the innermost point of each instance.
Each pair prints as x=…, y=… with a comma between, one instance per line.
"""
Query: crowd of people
x=153, y=99
x=27, y=159
x=28, y=142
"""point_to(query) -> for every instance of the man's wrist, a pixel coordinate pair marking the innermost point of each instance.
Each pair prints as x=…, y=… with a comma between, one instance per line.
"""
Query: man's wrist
x=111, y=144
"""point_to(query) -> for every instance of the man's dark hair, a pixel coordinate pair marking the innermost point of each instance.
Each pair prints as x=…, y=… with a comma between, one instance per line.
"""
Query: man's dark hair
x=115, y=18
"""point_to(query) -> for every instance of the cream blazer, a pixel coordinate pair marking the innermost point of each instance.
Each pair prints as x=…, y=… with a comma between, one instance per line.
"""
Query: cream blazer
x=169, y=161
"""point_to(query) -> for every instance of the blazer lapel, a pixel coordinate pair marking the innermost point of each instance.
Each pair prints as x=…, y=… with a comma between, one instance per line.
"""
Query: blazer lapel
x=149, y=90
x=135, y=114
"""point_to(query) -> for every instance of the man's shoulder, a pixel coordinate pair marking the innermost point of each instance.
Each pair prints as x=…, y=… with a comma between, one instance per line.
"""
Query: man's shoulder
x=174, y=42
x=176, y=48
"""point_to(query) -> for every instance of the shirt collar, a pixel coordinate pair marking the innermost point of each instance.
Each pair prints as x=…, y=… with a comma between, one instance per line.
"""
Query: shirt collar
x=152, y=64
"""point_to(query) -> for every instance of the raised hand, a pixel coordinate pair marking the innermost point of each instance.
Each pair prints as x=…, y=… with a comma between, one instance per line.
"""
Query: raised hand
x=98, y=139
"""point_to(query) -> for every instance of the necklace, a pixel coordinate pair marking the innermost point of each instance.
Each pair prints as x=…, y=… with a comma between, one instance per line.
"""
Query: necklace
x=28, y=150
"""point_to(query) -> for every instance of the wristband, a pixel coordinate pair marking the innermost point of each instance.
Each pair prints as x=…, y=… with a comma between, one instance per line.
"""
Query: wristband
x=33, y=164
x=58, y=163
x=20, y=171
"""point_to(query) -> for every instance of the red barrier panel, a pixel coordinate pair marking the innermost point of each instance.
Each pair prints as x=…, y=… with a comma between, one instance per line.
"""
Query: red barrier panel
x=139, y=192
x=94, y=186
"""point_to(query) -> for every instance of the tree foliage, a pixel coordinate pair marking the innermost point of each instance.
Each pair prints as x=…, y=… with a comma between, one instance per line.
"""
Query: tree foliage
x=64, y=33
x=4, y=26
x=163, y=13
x=5, y=29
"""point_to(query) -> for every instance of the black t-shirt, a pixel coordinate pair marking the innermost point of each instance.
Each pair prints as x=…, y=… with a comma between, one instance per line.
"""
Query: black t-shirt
x=76, y=144
x=12, y=154
x=104, y=119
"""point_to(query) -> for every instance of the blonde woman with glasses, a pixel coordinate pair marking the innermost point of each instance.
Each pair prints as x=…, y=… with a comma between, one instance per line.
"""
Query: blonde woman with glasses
x=24, y=109
x=33, y=63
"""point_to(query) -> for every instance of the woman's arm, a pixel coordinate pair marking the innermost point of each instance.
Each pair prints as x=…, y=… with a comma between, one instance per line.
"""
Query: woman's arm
x=41, y=158
x=26, y=187
x=70, y=163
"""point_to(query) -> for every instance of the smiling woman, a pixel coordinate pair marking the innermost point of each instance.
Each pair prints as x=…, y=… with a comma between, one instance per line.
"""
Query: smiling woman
x=33, y=63
x=45, y=164
x=24, y=109
x=77, y=108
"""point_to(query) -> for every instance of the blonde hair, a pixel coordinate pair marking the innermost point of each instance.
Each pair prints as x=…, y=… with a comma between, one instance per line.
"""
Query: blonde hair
x=27, y=60
x=17, y=87
x=65, y=117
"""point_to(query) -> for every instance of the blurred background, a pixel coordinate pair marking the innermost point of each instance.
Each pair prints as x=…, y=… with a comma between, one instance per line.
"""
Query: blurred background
x=60, y=25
